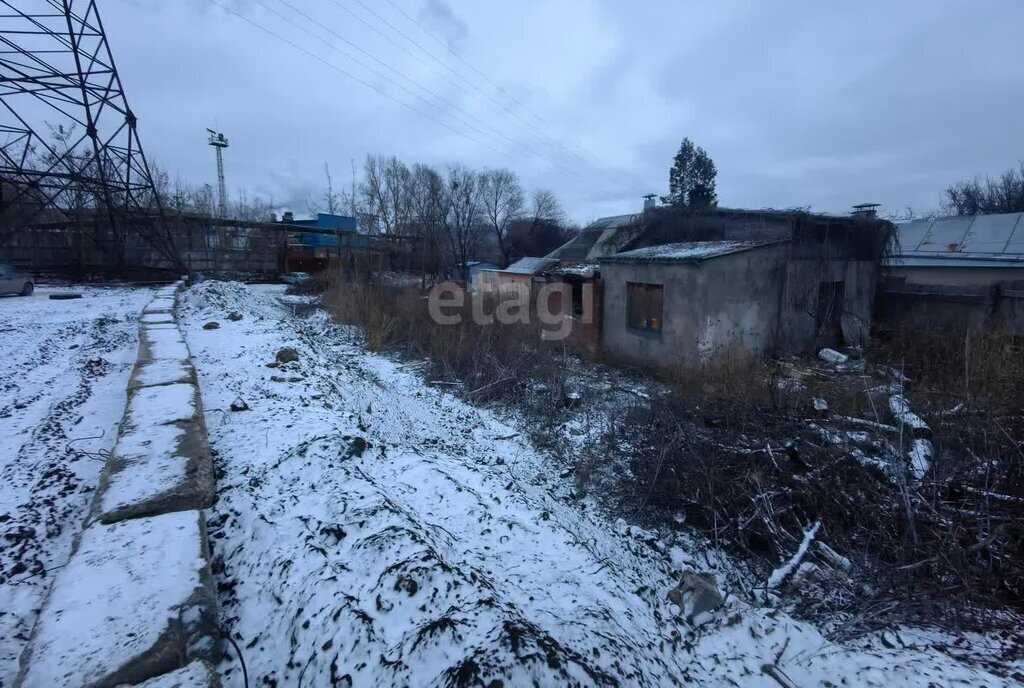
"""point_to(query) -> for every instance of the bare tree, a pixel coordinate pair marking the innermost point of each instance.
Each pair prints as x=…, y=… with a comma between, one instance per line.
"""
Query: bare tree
x=1002, y=195
x=463, y=214
x=330, y=201
x=387, y=192
x=428, y=215
x=502, y=199
x=545, y=208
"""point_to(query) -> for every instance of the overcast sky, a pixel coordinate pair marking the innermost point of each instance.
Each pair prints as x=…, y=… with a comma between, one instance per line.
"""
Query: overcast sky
x=800, y=103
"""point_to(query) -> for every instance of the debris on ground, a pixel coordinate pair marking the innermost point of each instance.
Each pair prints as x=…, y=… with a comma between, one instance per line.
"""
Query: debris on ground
x=696, y=596
x=832, y=356
x=287, y=354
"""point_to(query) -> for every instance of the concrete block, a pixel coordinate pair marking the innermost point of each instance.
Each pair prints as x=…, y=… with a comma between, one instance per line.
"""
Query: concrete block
x=159, y=343
x=161, y=372
x=149, y=406
x=198, y=674
x=135, y=600
x=157, y=316
x=161, y=462
x=157, y=469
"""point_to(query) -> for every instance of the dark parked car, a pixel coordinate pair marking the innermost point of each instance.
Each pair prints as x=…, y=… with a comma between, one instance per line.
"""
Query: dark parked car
x=14, y=282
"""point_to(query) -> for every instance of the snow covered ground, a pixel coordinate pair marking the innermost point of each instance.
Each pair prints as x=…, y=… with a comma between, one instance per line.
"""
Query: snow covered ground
x=374, y=530
x=64, y=366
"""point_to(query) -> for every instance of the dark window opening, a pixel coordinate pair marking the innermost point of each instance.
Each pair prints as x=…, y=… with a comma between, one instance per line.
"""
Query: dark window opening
x=577, y=299
x=829, y=316
x=644, y=306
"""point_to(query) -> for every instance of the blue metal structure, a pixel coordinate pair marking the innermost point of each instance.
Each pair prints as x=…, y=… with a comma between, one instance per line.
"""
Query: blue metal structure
x=328, y=231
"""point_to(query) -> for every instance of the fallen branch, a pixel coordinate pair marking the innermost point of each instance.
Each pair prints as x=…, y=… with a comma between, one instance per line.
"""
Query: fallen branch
x=780, y=574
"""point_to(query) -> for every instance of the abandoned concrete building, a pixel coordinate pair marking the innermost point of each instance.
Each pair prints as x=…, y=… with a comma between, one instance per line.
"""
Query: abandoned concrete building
x=691, y=286
x=668, y=287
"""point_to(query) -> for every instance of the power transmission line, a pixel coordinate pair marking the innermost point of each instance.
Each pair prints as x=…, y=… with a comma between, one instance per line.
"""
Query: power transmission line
x=482, y=75
x=468, y=118
x=540, y=136
x=356, y=78
x=372, y=86
x=463, y=61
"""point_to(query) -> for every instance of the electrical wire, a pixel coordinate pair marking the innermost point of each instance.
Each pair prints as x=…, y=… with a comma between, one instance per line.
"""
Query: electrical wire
x=541, y=135
x=358, y=79
x=548, y=141
x=467, y=119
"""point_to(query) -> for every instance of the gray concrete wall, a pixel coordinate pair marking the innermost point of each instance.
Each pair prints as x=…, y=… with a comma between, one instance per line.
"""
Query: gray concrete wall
x=800, y=301
x=956, y=276
x=952, y=307
x=728, y=304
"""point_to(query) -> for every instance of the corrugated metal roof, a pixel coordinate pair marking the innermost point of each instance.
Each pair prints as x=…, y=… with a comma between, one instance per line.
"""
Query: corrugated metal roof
x=530, y=266
x=974, y=240
x=683, y=252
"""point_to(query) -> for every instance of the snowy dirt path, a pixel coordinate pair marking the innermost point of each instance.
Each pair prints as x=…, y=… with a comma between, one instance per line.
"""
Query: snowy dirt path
x=372, y=530
x=64, y=366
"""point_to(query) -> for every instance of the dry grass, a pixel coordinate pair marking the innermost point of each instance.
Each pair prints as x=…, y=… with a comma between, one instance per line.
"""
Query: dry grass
x=980, y=364
x=490, y=361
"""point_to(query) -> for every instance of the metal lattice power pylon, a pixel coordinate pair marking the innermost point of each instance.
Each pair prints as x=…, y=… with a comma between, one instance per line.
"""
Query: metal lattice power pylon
x=68, y=140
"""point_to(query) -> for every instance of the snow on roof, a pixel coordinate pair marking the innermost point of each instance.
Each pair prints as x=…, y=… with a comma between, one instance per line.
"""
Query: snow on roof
x=581, y=270
x=530, y=266
x=962, y=240
x=691, y=250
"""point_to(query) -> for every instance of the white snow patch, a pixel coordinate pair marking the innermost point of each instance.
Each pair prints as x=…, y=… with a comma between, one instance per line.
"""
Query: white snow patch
x=900, y=408
x=198, y=674
x=833, y=356
x=162, y=372
x=164, y=347
x=687, y=250
x=151, y=406
x=66, y=365
x=377, y=527
x=920, y=454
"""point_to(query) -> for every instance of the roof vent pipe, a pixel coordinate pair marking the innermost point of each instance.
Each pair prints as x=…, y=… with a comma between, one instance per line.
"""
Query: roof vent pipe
x=866, y=210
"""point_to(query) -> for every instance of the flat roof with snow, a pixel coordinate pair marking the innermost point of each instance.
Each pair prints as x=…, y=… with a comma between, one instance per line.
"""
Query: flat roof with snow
x=683, y=252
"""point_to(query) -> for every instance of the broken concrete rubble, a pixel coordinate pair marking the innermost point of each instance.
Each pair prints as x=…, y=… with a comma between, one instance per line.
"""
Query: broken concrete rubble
x=696, y=596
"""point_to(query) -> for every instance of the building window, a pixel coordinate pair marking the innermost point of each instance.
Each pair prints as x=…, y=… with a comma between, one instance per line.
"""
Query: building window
x=644, y=306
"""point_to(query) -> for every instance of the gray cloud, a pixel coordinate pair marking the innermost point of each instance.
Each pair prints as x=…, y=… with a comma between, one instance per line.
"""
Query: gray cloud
x=442, y=20
x=800, y=103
